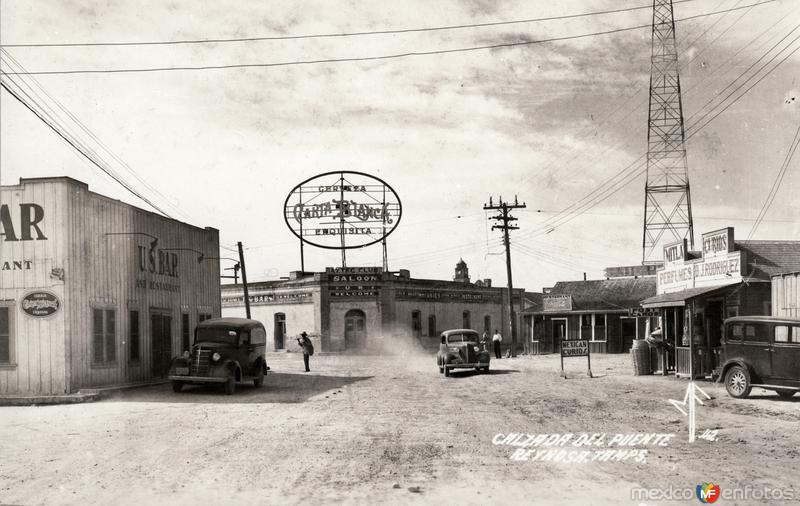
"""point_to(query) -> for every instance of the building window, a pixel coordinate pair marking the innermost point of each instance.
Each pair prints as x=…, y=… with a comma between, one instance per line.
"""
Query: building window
x=416, y=323
x=185, y=331
x=202, y=317
x=6, y=354
x=104, y=336
x=465, y=321
x=599, y=327
x=586, y=326
x=487, y=324
x=133, y=338
x=432, y=325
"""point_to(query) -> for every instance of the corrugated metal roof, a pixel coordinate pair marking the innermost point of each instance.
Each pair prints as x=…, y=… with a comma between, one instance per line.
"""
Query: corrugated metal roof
x=767, y=258
x=606, y=294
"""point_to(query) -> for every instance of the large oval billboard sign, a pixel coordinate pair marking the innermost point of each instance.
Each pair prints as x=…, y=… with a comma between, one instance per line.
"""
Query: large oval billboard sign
x=342, y=210
x=40, y=304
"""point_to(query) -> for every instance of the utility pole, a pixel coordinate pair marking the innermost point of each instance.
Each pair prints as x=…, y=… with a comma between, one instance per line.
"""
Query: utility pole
x=505, y=218
x=244, y=280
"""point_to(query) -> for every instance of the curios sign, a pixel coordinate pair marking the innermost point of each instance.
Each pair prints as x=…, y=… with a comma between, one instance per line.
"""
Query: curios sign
x=342, y=210
x=40, y=304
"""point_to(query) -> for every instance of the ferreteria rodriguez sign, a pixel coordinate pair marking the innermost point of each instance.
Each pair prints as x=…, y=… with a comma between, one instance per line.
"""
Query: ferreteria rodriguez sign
x=342, y=210
x=575, y=348
x=40, y=304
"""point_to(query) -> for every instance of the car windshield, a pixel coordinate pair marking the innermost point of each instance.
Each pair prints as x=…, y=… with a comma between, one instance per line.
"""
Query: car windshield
x=462, y=338
x=216, y=335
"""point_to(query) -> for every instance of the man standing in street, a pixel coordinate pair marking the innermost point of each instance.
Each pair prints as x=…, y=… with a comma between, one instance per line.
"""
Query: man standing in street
x=496, y=340
x=307, y=346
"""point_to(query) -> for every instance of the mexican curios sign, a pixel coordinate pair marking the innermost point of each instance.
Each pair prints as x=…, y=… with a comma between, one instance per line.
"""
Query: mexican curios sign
x=342, y=210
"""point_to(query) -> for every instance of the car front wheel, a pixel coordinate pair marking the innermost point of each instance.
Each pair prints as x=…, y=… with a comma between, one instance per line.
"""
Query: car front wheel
x=737, y=382
x=786, y=394
x=177, y=386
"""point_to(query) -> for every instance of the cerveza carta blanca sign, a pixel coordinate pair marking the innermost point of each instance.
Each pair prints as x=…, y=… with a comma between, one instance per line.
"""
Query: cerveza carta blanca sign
x=342, y=210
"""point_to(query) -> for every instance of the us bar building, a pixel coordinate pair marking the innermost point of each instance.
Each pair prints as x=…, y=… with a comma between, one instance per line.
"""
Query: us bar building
x=95, y=292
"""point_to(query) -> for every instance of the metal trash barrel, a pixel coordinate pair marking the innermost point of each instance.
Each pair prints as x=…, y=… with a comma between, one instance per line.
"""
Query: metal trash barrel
x=640, y=355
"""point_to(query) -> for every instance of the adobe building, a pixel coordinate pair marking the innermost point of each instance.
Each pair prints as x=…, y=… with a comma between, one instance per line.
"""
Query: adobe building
x=365, y=308
x=697, y=290
x=95, y=292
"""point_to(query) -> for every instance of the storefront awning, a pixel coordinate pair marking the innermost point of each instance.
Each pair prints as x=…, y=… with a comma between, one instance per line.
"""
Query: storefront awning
x=680, y=298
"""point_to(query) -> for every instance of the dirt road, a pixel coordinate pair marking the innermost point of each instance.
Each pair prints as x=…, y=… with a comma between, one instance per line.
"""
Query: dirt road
x=368, y=430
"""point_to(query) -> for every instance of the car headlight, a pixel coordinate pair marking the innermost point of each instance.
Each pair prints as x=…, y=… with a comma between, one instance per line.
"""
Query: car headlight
x=455, y=350
x=476, y=348
x=186, y=354
x=215, y=357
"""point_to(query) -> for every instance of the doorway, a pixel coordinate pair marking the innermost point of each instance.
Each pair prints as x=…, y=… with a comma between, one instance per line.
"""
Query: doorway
x=279, y=331
x=160, y=342
x=628, y=329
x=355, y=334
x=559, y=332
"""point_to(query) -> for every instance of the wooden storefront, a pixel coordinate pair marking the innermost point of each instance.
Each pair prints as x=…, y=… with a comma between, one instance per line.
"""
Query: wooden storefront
x=95, y=292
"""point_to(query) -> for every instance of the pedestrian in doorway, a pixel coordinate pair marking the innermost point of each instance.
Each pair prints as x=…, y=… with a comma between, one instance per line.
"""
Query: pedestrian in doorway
x=308, y=348
x=484, y=340
x=496, y=340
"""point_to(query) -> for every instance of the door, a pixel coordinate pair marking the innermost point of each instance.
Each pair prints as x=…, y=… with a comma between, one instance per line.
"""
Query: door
x=786, y=354
x=628, y=333
x=756, y=348
x=160, y=343
x=280, y=330
x=559, y=332
x=354, y=329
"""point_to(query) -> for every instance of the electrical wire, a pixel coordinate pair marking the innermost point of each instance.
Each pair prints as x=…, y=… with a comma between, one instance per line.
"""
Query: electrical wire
x=341, y=34
x=76, y=145
x=504, y=45
x=776, y=184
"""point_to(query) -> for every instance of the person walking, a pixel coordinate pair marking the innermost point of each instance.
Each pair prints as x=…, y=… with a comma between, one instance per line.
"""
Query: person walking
x=496, y=340
x=308, y=348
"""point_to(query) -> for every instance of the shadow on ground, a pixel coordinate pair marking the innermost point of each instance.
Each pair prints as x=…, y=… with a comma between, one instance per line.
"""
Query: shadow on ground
x=277, y=388
x=459, y=373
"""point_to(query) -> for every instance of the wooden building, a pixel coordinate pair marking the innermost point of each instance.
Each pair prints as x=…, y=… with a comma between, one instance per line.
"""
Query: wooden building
x=601, y=311
x=364, y=308
x=95, y=292
x=697, y=290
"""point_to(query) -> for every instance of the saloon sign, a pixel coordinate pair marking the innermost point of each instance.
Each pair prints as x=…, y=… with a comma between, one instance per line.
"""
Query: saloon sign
x=342, y=210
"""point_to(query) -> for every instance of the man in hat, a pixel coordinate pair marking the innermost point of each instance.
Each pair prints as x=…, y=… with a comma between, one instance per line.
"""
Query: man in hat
x=308, y=348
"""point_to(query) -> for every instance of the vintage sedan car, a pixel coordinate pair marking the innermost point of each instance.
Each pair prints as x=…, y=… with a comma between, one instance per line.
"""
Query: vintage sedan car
x=460, y=349
x=225, y=350
x=760, y=351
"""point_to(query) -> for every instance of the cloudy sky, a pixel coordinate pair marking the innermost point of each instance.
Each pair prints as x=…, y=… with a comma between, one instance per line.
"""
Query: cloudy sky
x=550, y=122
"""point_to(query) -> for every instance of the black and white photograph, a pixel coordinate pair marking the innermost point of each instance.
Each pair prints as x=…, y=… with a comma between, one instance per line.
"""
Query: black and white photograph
x=355, y=252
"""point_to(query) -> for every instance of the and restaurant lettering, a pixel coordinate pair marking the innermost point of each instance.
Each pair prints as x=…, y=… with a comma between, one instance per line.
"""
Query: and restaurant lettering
x=30, y=217
x=16, y=265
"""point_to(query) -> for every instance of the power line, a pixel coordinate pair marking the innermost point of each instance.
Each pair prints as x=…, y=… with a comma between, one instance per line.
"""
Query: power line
x=504, y=45
x=81, y=149
x=54, y=117
x=777, y=184
x=594, y=198
x=340, y=34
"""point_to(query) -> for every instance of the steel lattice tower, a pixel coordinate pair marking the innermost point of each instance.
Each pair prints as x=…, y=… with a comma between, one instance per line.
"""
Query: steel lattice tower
x=667, y=204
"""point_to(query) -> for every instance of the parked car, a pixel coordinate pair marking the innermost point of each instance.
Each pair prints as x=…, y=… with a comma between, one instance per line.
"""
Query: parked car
x=459, y=349
x=225, y=350
x=760, y=351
